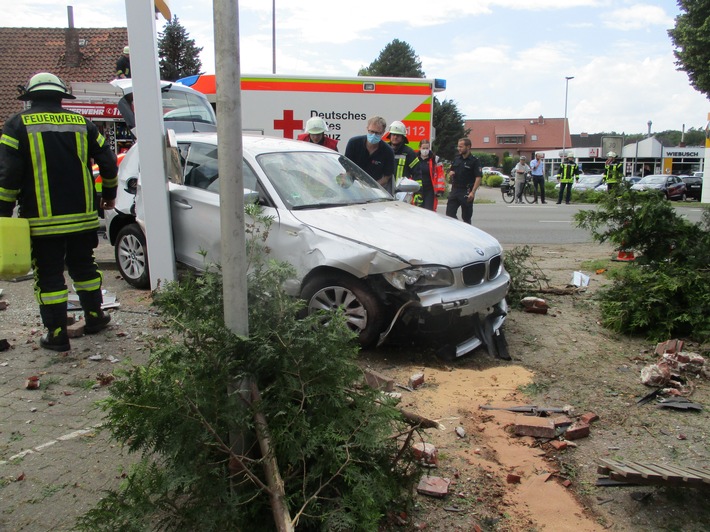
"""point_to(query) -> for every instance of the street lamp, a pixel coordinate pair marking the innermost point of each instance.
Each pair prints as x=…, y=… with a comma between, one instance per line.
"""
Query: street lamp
x=564, y=124
x=273, y=36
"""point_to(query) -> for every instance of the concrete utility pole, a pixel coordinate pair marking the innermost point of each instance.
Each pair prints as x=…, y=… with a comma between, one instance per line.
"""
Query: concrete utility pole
x=231, y=178
x=140, y=15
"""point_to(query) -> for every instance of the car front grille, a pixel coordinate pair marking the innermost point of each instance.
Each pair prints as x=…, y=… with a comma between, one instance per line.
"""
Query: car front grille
x=478, y=272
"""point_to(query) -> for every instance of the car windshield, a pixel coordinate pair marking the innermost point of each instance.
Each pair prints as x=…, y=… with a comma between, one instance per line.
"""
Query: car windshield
x=653, y=180
x=317, y=180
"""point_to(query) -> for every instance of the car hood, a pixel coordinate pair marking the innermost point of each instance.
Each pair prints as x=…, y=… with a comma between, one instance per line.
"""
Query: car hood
x=412, y=234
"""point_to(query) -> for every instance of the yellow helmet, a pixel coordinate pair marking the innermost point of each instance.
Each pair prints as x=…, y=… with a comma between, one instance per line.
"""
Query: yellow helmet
x=45, y=84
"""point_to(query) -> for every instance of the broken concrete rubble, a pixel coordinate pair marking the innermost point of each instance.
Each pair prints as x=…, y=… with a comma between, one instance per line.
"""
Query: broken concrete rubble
x=672, y=365
x=434, y=486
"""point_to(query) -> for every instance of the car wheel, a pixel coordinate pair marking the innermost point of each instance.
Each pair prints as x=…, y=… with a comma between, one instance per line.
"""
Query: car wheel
x=132, y=257
x=363, y=312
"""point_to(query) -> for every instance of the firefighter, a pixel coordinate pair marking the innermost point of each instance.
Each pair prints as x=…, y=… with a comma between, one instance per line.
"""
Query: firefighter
x=613, y=171
x=429, y=174
x=569, y=171
x=45, y=165
x=316, y=130
x=405, y=159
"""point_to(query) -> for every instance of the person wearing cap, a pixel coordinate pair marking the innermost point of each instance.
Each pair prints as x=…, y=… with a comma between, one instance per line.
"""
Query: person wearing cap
x=316, y=130
x=45, y=166
x=405, y=158
x=613, y=171
x=569, y=171
x=123, y=65
x=521, y=171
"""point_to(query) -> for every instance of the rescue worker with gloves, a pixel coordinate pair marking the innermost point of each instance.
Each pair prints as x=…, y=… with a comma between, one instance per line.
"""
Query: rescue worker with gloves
x=45, y=165
x=613, y=171
x=405, y=158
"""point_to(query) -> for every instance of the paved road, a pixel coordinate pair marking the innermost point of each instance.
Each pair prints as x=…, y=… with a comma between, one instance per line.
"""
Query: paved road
x=537, y=223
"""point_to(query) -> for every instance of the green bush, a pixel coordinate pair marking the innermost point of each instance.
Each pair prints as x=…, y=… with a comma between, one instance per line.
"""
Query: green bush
x=192, y=413
x=664, y=292
x=492, y=180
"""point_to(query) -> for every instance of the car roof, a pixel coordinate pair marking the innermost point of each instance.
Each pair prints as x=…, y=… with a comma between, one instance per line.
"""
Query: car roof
x=257, y=144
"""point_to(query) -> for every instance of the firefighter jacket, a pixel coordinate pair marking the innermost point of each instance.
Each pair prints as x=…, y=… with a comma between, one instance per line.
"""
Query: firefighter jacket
x=45, y=165
x=568, y=172
x=613, y=172
x=405, y=159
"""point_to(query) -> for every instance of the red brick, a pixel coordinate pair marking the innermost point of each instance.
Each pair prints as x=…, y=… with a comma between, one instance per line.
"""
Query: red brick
x=513, y=478
x=588, y=418
x=577, y=431
x=671, y=346
x=434, y=486
x=538, y=427
x=567, y=483
x=75, y=330
x=559, y=445
x=426, y=453
x=561, y=421
x=535, y=310
x=416, y=380
x=378, y=381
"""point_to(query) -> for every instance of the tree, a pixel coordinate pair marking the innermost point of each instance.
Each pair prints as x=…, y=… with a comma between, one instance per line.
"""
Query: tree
x=449, y=125
x=691, y=38
x=397, y=60
x=179, y=57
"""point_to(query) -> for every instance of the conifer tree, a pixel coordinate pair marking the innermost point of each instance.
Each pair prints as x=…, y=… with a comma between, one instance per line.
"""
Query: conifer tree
x=179, y=57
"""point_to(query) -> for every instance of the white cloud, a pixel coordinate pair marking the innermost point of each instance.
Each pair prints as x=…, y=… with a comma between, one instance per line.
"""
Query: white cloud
x=637, y=16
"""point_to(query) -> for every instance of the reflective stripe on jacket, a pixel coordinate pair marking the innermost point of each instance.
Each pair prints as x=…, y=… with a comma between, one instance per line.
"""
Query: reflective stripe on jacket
x=568, y=172
x=45, y=165
x=613, y=172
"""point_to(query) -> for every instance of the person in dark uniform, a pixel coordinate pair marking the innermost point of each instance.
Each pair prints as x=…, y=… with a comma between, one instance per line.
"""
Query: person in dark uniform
x=373, y=154
x=405, y=158
x=45, y=165
x=465, y=175
x=123, y=65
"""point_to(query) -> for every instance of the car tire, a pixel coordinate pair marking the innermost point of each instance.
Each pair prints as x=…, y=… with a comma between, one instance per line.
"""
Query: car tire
x=132, y=256
x=364, y=314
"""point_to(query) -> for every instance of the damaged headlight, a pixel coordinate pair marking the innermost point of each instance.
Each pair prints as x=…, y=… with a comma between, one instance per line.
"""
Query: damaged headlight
x=420, y=278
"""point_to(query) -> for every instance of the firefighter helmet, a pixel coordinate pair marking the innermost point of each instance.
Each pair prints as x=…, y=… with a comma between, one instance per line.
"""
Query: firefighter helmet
x=398, y=128
x=45, y=84
x=126, y=50
x=611, y=154
x=316, y=125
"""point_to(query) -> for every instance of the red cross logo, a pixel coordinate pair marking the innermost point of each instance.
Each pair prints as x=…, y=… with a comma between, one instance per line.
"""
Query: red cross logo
x=288, y=124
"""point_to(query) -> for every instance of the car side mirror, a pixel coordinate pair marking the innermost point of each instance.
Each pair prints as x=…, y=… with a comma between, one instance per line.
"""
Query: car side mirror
x=407, y=185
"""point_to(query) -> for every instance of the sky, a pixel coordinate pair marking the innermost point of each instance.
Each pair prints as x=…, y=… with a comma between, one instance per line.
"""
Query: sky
x=500, y=58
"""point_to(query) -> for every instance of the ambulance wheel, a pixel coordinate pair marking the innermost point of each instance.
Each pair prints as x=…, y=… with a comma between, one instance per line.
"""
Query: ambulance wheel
x=362, y=310
x=132, y=256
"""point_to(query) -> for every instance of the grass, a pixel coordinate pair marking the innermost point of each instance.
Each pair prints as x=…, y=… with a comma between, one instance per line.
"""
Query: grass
x=534, y=388
x=85, y=384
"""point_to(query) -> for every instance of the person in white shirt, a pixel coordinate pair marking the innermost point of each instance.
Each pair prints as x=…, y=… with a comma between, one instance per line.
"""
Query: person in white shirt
x=521, y=170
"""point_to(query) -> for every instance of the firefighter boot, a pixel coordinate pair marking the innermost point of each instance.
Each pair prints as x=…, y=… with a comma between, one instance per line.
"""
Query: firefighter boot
x=54, y=317
x=96, y=319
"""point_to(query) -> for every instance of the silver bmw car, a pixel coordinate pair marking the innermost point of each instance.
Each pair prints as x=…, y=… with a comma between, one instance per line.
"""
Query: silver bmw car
x=400, y=272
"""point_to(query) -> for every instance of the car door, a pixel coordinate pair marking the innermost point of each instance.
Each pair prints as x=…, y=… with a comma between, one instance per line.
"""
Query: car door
x=194, y=205
x=674, y=186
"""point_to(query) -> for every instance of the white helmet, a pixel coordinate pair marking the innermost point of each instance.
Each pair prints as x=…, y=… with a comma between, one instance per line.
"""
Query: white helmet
x=398, y=128
x=45, y=84
x=611, y=154
x=316, y=125
x=126, y=50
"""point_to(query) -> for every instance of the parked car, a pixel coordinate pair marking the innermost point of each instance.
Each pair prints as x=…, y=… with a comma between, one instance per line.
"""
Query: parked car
x=398, y=270
x=693, y=185
x=586, y=182
x=672, y=186
x=629, y=180
x=504, y=177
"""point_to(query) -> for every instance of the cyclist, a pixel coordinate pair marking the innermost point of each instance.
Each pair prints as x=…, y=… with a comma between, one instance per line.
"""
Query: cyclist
x=521, y=171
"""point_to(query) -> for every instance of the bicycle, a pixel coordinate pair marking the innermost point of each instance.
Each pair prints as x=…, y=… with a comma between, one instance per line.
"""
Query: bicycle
x=508, y=191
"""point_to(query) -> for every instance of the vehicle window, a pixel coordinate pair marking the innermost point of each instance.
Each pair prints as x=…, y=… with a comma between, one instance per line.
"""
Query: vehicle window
x=201, y=165
x=319, y=180
x=184, y=106
x=248, y=175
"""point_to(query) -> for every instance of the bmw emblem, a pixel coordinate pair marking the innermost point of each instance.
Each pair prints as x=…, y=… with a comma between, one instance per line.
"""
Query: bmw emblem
x=480, y=252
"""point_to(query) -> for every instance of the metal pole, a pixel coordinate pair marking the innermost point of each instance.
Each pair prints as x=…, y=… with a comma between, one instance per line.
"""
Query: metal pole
x=564, y=124
x=273, y=35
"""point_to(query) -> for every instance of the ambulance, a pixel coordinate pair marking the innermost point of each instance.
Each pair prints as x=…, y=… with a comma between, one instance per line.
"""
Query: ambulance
x=279, y=106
